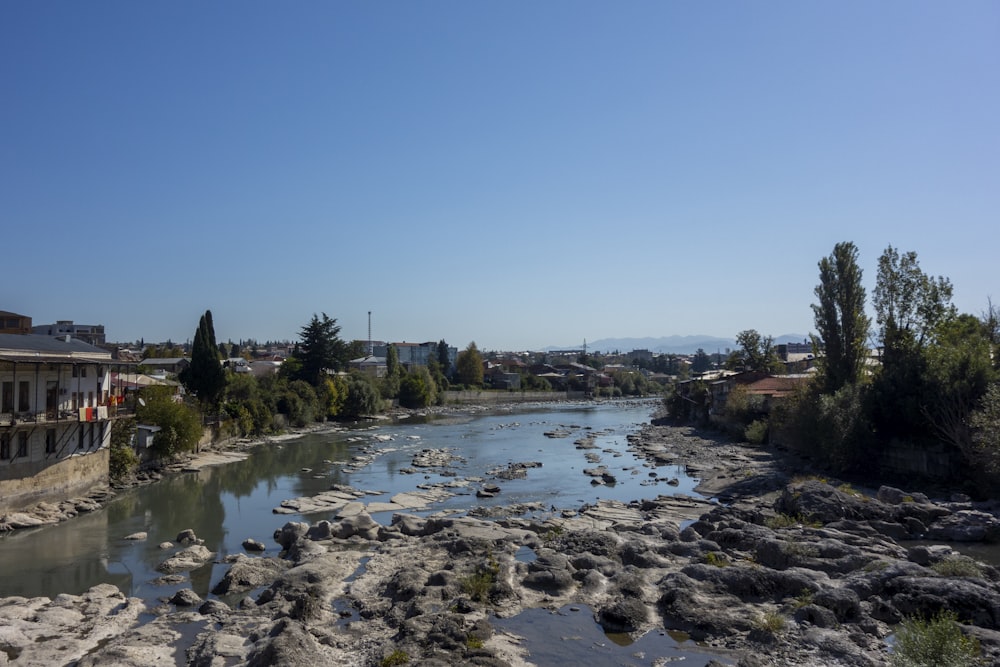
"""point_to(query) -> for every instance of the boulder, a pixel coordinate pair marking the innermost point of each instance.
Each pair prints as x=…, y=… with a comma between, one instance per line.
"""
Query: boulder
x=246, y=574
x=251, y=544
x=188, y=559
x=185, y=598
x=186, y=536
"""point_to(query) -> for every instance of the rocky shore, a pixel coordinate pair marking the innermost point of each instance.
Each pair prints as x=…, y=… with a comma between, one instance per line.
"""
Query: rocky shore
x=786, y=568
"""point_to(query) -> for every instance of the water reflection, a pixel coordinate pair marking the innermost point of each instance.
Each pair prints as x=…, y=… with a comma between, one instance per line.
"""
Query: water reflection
x=570, y=636
x=227, y=504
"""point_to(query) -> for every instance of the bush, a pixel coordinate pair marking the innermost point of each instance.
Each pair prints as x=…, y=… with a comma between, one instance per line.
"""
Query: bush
x=123, y=459
x=756, y=432
x=832, y=428
x=958, y=566
x=363, y=398
x=180, y=425
x=936, y=642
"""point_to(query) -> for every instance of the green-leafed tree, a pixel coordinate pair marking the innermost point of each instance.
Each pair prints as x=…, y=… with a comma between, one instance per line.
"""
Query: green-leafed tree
x=985, y=423
x=320, y=349
x=180, y=425
x=701, y=361
x=469, y=366
x=443, y=358
x=390, y=385
x=205, y=377
x=362, y=397
x=840, y=318
x=757, y=352
x=416, y=390
x=122, y=460
x=909, y=304
x=959, y=371
x=910, y=308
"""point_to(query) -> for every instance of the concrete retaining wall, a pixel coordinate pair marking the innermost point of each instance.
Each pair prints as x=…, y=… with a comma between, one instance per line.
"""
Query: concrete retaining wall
x=63, y=479
x=931, y=462
x=490, y=397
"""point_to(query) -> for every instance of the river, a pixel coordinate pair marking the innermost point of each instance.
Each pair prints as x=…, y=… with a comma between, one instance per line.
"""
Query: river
x=229, y=503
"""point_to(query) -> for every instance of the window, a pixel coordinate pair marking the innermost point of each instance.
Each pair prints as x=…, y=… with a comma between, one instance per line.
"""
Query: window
x=79, y=444
x=7, y=402
x=22, y=444
x=5, y=446
x=76, y=401
x=24, y=396
x=50, y=441
x=90, y=400
x=90, y=428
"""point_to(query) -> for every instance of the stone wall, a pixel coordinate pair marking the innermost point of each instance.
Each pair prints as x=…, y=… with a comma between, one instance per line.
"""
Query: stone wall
x=63, y=479
x=930, y=462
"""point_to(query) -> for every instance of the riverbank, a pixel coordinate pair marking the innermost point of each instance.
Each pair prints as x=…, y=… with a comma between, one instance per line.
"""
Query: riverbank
x=785, y=570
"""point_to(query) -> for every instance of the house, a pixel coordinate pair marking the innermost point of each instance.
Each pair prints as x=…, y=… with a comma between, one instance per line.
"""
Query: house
x=12, y=323
x=172, y=365
x=370, y=365
x=89, y=333
x=55, y=429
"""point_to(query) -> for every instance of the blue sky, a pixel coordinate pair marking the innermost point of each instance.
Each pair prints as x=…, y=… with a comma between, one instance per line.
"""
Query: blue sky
x=516, y=174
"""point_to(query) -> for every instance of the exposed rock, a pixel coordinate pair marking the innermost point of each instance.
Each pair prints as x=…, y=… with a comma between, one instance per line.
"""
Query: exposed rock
x=251, y=544
x=246, y=574
x=186, y=536
x=185, y=598
x=188, y=559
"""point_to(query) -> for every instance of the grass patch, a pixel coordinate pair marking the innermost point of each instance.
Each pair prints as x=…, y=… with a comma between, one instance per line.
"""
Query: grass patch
x=473, y=642
x=478, y=584
x=958, y=566
x=771, y=622
x=716, y=559
x=397, y=657
x=805, y=598
x=935, y=641
x=875, y=566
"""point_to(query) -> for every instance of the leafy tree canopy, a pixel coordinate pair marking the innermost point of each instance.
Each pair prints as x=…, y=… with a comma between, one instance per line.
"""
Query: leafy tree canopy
x=469, y=366
x=320, y=349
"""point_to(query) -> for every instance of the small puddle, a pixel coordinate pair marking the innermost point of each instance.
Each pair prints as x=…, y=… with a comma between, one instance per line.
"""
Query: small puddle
x=342, y=607
x=525, y=555
x=570, y=637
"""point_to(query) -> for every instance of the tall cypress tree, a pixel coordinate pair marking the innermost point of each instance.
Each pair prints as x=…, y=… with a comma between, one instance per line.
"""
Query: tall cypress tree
x=840, y=316
x=205, y=377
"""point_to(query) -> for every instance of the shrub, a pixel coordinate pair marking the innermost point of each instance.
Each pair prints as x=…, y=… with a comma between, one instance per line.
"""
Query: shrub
x=397, y=657
x=716, y=559
x=958, y=566
x=771, y=622
x=123, y=459
x=756, y=432
x=938, y=641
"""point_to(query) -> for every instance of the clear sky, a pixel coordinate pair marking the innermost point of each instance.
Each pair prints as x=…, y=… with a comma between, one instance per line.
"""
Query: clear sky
x=519, y=174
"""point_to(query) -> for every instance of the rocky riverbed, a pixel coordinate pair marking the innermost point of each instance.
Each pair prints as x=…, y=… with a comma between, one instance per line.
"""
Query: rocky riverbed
x=786, y=569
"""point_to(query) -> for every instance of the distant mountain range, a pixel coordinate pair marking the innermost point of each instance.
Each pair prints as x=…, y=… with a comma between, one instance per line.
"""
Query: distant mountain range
x=674, y=344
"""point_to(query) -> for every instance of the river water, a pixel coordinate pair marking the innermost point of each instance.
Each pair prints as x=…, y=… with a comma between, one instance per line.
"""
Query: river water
x=227, y=504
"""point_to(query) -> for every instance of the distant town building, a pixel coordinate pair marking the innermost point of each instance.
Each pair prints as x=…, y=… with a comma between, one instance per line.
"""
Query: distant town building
x=12, y=323
x=89, y=333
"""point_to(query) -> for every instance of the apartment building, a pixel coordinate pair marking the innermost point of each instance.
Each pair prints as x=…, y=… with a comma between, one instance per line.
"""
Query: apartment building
x=54, y=423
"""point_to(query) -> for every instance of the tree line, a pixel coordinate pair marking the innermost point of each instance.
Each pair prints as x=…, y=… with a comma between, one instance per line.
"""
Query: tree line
x=312, y=385
x=919, y=373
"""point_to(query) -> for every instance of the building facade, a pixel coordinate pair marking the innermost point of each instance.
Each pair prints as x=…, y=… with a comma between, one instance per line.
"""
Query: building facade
x=55, y=427
x=88, y=333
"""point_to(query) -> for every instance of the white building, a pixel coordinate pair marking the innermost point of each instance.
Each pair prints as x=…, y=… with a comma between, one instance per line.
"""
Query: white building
x=54, y=423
